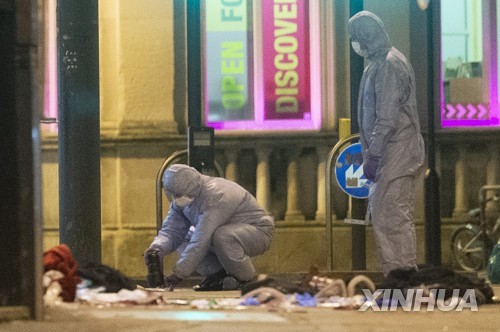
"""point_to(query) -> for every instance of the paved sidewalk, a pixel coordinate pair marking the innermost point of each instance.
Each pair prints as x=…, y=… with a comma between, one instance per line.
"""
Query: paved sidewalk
x=75, y=317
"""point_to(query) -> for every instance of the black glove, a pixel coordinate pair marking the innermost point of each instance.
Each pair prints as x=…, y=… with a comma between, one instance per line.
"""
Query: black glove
x=370, y=166
x=172, y=281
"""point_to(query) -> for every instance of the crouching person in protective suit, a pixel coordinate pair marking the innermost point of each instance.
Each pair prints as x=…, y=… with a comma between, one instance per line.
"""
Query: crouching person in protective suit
x=215, y=225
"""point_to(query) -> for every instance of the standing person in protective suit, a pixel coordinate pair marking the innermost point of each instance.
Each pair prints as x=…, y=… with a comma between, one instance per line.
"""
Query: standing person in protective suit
x=229, y=228
x=393, y=148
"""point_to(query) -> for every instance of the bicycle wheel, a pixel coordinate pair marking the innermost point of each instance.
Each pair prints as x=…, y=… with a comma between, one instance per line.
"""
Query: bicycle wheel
x=468, y=249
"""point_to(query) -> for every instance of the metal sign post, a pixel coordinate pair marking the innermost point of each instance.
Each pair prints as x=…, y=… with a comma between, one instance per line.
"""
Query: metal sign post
x=201, y=152
x=352, y=182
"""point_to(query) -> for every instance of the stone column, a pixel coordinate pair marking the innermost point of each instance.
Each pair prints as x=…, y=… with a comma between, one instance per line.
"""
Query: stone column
x=292, y=212
x=492, y=171
x=493, y=164
x=231, y=166
x=438, y=161
x=263, y=177
x=321, y=201
x=460, y=202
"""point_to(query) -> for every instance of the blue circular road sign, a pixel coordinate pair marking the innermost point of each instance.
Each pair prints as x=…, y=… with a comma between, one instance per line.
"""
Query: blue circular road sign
x=349, y=172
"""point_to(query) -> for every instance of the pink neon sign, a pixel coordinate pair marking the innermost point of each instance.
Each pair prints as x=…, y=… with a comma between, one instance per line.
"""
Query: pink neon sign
x=286, y=67
x=284, y=77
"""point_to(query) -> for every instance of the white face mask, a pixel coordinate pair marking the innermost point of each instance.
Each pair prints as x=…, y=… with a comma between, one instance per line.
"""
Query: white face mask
x=183, y=201
x=357, y=48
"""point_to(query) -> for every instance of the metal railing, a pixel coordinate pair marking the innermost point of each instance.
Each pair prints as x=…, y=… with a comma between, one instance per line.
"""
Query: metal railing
x=328, y=185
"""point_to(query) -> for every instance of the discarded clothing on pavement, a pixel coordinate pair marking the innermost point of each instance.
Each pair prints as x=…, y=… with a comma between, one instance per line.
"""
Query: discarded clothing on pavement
x=432, y=277
x=60, y=258
x=102, y=275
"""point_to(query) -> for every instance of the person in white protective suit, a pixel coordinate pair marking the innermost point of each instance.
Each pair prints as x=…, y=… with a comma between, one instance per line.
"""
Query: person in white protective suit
x=216, y=226
x=393, y=148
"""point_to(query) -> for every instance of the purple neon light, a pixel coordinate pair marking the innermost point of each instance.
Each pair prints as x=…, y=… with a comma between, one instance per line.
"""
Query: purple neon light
x=469, y=111
x=494, y=90
x=472, y=115
x=266, y=125
x=469, y=123
x=50, y=85
x=469, y=115
x=310, y=121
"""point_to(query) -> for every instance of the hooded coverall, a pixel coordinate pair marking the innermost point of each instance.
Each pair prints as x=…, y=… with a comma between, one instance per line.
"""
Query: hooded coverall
x=391, y=140
x=229, y=225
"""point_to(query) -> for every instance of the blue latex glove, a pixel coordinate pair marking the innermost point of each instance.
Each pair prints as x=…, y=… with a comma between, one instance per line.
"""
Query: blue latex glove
x=370, y=166
x=306, y=300
x=250, y=301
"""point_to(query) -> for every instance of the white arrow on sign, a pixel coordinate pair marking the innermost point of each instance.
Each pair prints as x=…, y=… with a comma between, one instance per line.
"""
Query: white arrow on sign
x=353, y=179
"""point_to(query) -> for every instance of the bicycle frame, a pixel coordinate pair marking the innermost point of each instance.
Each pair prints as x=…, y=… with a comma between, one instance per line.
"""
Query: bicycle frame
x=474, y=239
x=471, y=243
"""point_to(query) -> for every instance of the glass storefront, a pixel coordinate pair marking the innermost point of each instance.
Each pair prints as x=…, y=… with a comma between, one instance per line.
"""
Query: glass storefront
x=261, y=65
x=469, y=64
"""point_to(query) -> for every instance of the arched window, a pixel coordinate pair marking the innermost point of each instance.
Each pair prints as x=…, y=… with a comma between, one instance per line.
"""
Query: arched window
x=469, y=63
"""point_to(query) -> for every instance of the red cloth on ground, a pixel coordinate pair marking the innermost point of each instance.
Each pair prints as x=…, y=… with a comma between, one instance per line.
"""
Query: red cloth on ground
x=61, y=259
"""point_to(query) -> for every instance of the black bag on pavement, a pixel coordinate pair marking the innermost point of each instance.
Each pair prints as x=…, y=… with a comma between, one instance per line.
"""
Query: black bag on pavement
x=439, y=277
x=103, y=275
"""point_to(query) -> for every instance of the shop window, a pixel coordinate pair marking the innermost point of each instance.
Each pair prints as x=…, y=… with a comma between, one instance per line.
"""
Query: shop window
x=469, y=74
x=49, y=49
x=261, y=65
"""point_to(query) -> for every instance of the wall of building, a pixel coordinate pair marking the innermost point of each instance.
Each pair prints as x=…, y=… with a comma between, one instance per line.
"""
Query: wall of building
x=140, y=128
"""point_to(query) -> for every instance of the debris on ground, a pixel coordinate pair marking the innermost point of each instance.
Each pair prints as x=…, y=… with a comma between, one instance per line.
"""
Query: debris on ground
x=101, y=285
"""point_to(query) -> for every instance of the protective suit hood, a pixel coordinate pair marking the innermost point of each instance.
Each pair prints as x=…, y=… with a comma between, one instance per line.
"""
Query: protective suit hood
x=369, y=31
x=182, y=180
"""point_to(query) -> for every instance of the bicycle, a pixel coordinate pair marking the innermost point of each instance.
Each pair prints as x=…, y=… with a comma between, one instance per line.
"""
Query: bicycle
x=471, y=244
